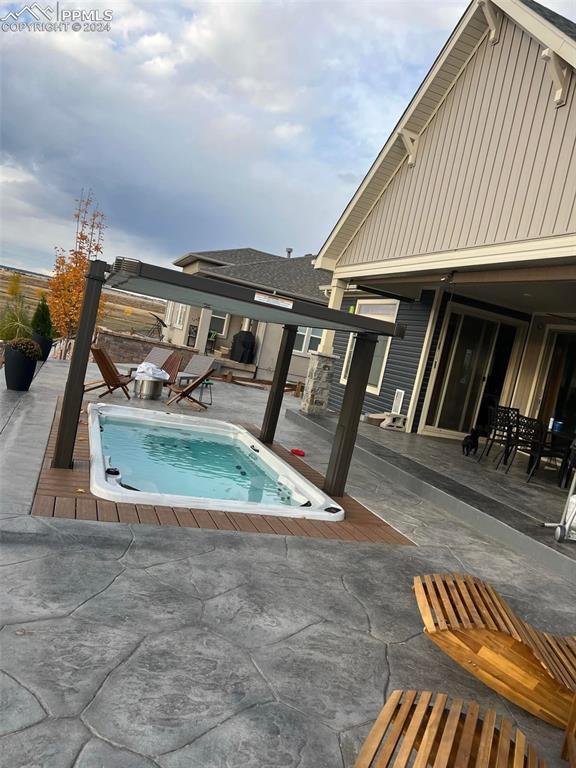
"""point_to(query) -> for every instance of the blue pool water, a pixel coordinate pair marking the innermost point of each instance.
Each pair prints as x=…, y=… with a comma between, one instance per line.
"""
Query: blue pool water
x=161, y=459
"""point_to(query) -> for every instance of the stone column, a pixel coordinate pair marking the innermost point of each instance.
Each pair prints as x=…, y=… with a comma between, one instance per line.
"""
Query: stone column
x=338, y=288
x=318, y=383
x=203, y=330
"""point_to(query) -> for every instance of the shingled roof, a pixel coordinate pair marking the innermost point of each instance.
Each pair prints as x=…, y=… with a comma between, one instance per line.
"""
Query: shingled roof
x=560, y=22
x=295, y=276
x=230, y=256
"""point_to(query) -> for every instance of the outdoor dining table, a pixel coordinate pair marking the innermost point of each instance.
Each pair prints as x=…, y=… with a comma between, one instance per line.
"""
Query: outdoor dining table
x=566, y=440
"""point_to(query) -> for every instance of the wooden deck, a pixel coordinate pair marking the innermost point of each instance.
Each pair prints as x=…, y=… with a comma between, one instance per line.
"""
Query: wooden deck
x=66, y=493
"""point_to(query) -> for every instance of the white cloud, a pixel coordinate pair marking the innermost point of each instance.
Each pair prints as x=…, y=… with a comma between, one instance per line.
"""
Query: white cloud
x=159, y=66
x=288, y=131
x=208, y=124
x=153, y=45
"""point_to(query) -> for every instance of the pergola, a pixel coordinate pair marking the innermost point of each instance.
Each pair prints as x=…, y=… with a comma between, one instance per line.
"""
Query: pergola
x=251, y=302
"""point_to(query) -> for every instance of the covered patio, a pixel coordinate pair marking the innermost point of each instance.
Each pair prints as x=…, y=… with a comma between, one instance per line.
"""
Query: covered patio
x=498, y=504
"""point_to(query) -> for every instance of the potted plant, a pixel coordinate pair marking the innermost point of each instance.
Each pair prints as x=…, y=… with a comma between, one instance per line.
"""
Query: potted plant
x=42, y=332
x=20, y=358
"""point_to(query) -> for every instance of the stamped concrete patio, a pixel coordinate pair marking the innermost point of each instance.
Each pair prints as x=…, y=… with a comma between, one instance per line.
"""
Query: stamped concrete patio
x=132, y=646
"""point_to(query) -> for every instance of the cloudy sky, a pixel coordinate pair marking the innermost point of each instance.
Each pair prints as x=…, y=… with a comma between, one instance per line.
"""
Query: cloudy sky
x=206, y=125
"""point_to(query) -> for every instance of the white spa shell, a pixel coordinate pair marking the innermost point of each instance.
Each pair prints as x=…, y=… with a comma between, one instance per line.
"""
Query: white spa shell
x=107, y=487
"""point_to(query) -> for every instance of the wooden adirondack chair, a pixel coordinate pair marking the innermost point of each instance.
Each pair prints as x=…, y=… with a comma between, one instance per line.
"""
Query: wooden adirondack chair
x=469, y=621
x=112, y=379
x=429, y=729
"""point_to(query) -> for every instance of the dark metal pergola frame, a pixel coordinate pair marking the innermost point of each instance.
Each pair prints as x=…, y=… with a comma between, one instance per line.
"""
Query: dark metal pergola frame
x=278, y=307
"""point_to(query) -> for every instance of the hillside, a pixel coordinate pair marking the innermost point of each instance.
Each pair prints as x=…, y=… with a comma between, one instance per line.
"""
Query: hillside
x=124, y=311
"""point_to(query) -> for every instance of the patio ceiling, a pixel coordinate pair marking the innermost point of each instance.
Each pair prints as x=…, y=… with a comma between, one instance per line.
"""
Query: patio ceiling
x=542, y=289
x=229, y=296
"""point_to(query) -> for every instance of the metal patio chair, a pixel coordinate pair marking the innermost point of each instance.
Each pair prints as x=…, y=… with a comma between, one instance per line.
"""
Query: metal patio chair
x=527, y=438
x=503, y=422
x=550, y=446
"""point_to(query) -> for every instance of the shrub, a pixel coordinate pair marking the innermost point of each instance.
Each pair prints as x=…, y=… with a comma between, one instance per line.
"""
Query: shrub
x=14, y=319
x=41, y=320
x=27, y=347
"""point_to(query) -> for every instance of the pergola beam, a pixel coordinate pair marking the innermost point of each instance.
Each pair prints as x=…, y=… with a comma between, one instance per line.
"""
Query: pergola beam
x=276, y=393
x=350, y=412
x=74, y=392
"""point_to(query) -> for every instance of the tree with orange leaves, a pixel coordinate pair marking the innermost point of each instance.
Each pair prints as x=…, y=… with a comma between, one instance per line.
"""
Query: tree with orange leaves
x=66, y=286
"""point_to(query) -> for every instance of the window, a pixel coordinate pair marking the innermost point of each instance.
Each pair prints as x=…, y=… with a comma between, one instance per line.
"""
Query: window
x=381, y=309
x=180, y=313
x=219, y=324
x=307, y=339
x=169, y=312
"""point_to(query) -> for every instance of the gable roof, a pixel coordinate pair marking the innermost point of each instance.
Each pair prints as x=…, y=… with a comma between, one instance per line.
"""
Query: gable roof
x=295, y=276
x=548, y=28
x=230, y=256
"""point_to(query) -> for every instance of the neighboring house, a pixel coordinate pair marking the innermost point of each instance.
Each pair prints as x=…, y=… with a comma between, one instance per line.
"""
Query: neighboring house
x=464, y=230
x=205, y=330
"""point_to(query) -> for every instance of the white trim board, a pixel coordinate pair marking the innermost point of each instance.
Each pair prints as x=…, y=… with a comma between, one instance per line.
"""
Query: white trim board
x=547, y=249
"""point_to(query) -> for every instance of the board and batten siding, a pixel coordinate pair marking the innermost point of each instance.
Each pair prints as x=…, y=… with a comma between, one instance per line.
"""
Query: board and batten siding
x=495, y=164
x=403, y=357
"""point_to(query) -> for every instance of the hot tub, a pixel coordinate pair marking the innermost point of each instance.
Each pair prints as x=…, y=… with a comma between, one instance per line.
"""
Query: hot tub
x=166, y=459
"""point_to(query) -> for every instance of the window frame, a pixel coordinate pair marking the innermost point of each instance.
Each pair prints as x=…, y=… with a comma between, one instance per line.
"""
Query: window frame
x=226, y=318
x=307, y=333
x=180, y=315
x=371, y=388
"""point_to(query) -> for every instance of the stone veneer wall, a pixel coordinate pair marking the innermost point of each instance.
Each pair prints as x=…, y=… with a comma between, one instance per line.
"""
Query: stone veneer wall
x=126, y=348
x=318, y=383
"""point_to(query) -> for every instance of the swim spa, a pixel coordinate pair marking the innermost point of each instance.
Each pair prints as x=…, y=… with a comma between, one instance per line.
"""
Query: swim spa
x=166, y=459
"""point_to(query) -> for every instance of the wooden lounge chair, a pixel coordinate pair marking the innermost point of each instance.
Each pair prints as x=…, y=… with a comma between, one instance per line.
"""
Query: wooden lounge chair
x=111, y=376
x=569, y=749
x=470, y=622
x=423, y=728
x=185, y=393
x=172, y=366
x=196, y=367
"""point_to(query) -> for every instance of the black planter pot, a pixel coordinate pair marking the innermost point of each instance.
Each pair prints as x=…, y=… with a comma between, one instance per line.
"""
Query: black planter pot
x=18, y=369
x=44, y=343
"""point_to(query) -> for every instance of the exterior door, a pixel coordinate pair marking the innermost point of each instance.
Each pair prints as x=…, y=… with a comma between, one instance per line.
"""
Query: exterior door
x=462, y=370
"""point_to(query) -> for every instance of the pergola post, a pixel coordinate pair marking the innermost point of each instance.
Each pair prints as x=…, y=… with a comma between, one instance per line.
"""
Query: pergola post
x=74, y=392
x=278, y=383
x=347, y=428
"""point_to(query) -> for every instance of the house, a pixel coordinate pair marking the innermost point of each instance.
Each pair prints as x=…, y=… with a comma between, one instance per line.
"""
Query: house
x=464, y=229
x=204, y=330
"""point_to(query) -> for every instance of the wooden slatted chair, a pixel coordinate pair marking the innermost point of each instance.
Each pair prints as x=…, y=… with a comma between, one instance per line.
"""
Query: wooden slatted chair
x=422, y=728
x=112, y=379
x=185, y=393
x=569, y=750
x=172, y=367
x=470, y=622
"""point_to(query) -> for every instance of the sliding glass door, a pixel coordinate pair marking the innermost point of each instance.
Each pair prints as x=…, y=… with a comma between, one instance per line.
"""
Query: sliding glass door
x=470, y=368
